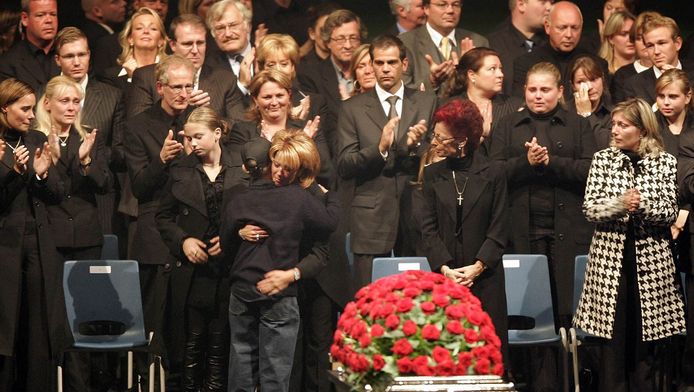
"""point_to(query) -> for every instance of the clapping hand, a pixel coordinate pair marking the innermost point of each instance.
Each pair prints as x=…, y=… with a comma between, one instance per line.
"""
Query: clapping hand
x=21, y=158
x=301, y=111
x=388, y=135
x=631, y=199
x=42, y=161
x=86, y=147
x=199, y=98
x=170, y=149
x=537, y=155
x=312, y=126
x=415, y=133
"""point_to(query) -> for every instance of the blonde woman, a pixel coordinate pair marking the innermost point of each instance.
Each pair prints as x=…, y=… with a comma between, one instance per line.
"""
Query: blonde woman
x=631, y=297
x=143, y=42
x=617, y=47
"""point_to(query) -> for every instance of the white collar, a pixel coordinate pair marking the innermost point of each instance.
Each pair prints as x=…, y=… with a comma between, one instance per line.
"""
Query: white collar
x=437, y=37
x=658, y=72
x=383, y=94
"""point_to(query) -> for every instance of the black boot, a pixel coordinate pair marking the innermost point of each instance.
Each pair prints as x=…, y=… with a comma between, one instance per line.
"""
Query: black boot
x=192, y=361
x=217, y=358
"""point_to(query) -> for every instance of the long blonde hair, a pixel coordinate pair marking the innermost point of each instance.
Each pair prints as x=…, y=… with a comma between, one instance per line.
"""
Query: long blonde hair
x=639, y=112
x=57, y=87
x=613, y=26
x=126, y=49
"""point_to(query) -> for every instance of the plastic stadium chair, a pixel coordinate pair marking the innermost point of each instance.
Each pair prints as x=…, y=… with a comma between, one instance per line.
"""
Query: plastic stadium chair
x=385, y=266
x=104, y=310
x=529, y=299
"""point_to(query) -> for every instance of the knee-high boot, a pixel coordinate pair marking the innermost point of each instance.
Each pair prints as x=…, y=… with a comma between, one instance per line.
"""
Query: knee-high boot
x=193, y=361
x=217, y=357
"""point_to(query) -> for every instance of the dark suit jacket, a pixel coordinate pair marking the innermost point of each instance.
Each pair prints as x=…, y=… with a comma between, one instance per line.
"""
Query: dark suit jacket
x=570, y=153
x=378, y=183
x=510, y=44
x=111, y=77
x=74, y=222
x=563, y=61
x=20, y=63
x=105, y=52
x=484, y=226
x=145, y=134
x=225, y=97
x=320, y=78
x=685, y=181
x=24, y=199
x=104, y=110
x=94, y=33
x=619, y=79
x=642, y=85
x=418, y=43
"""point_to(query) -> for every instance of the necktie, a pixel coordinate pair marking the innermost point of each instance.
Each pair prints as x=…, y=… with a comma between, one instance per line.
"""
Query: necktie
x=445, y=48
x=392, y=100
x=238, y=58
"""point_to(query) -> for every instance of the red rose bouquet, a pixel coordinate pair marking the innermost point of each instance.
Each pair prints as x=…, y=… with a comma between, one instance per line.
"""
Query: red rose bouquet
x=415, y=324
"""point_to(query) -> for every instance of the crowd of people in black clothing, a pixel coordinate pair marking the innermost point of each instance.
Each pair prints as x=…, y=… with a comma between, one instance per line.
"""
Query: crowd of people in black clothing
x=239, y=151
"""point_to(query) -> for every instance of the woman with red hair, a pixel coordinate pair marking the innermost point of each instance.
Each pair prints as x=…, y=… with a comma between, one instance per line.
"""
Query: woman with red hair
x=462, y=207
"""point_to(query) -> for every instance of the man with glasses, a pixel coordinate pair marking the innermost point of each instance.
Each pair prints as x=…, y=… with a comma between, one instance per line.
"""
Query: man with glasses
x=215, y=87
x=663, y=41
x=381, y=136
x=433, y=48
x=342, y=32
x=230, y=24
x=152, y=146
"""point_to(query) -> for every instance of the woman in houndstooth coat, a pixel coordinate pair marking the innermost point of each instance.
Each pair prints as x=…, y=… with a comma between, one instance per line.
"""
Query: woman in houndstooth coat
x=631, y=295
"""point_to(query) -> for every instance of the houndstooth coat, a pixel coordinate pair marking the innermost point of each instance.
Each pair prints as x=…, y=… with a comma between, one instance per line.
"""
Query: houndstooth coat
x=662, y=307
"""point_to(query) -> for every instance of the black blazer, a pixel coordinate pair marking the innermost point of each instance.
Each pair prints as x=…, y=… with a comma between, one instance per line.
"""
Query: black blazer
x=111, y=76
x=320, y=78
x=619, y=79
x=484, y=226
x=74, y=222
x=570, y=153
x=19, y=62
x=225, y=97
x=145, y=134
x=25, y=199
x=104, y=110
x=105, y=53
x=642, y=85
x=94, y=32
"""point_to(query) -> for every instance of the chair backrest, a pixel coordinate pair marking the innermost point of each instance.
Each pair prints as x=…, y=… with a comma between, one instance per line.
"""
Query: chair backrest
x=384, y=266
x=579, y=277
x=109, y=250
x=528, y=296
x=103, y=303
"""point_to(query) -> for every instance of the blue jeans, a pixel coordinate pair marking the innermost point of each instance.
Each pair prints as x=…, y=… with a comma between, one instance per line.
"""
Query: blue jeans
x=263, y=339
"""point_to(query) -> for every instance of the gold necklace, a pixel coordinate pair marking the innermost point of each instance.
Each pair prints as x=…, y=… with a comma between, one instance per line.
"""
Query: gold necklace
x=460, y=197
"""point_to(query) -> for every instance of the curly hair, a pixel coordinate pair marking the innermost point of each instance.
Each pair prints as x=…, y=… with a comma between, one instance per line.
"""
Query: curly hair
x=463, y=119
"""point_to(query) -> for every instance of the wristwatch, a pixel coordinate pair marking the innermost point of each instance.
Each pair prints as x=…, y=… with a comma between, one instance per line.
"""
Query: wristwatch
x=297, y=274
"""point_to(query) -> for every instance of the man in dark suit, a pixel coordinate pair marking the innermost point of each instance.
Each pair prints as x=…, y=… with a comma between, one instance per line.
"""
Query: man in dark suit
x=519, y=34
x=380, y=136
x=215, y=87
x=434, y=43
x=102, y=17
x=230, y=24
x=409, y=14
x=151, y=147
x=102, y=108
x=331, y=78
x=31, y=59
x=663, y=41
x=563, y=27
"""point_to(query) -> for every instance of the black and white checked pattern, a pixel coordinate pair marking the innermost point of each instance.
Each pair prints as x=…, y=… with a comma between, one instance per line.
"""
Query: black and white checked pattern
x=662, y=307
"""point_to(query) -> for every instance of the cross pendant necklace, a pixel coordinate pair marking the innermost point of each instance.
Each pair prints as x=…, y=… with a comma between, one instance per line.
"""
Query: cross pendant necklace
x=460, y=193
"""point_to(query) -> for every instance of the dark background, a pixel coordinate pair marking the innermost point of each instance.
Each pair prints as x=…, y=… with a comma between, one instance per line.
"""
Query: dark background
x=481, y=16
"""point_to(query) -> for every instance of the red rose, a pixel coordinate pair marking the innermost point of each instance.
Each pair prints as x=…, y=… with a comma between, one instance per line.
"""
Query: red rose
x=455, y=312
x=378, y=362
x=441, y=354
x=337, y=337
x=441, y=299
x=392, y=321
x=495, y=356
x=362, y=292
x=420, y=360
x=386, y=310
x=425, y=285
x=411, y=292
x=430, y=332
x=400, y=284
x=482, y=366
x=476, y=317
x=405, y=304
x=465, y=359
x=404, y=365
x=350, y=310
x=445, y=368
x=360, y=363
x=424, y=370
x=402, y=347
x=358, y=329
x=365, y=340
x=377, y=330
x=427, y=307
x=471, y=336
x=498, y=369
x=409, y=328
x=336, y=352
x=454, y=327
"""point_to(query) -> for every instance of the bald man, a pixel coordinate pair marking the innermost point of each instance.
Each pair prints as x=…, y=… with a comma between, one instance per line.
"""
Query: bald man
x=563, y=27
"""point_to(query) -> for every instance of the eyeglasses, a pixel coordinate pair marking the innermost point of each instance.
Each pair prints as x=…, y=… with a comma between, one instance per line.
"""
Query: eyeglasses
x=442, y=140
x=342, y=39
x=222, y=28
x=178, y=88
x=443, y=6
